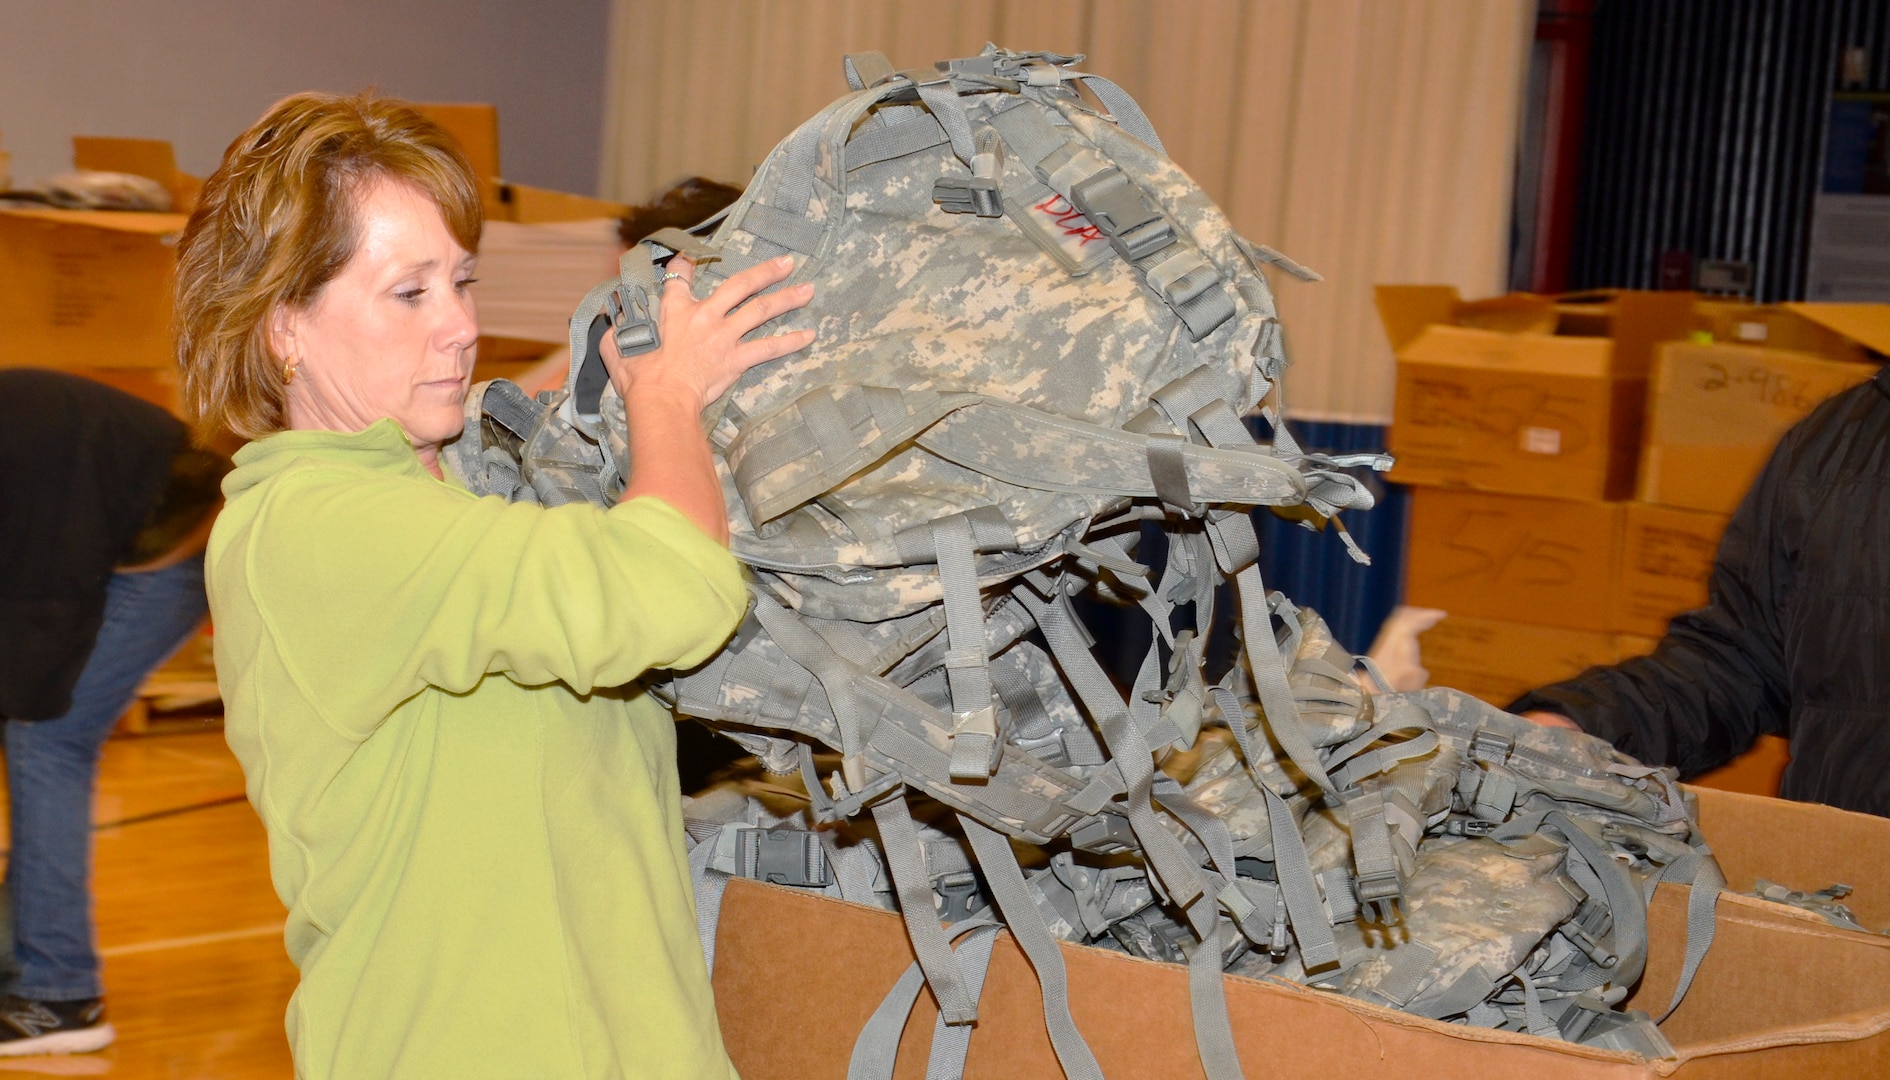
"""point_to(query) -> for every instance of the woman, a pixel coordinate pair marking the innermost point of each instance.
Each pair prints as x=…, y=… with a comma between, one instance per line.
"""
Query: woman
x=471, y=806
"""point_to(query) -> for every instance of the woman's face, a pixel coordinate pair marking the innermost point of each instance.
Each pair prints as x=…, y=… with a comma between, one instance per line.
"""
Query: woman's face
x=393, y=334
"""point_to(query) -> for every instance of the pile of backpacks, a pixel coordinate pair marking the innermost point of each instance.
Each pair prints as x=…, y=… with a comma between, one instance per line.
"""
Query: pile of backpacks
x=1039, y=345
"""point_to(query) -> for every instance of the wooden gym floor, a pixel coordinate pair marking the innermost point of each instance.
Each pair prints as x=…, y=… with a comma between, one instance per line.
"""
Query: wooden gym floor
x=196, y=979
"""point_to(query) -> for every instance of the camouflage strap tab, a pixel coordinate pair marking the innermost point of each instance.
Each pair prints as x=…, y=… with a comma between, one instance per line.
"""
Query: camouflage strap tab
x=975, y=734
x=684, y=243
x=864, y=69
x=1379, y=882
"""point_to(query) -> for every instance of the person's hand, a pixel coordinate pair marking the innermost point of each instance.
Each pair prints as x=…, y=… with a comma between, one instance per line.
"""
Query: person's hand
x=1549, y=719
x=702, y=351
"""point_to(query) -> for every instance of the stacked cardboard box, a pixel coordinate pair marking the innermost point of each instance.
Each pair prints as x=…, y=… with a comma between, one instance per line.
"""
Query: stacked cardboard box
x=90, y=291
x=1526, y=424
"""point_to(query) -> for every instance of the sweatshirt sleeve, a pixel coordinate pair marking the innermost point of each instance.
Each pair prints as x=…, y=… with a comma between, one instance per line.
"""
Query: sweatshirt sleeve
x=375, y=587
x=1718, y=679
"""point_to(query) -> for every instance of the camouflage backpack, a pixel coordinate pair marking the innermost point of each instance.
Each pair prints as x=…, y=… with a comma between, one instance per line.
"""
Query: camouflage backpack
x=1037, y=336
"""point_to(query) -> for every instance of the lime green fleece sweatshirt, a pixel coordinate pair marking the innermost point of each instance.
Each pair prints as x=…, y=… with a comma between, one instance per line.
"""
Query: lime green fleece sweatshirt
x=472, y=807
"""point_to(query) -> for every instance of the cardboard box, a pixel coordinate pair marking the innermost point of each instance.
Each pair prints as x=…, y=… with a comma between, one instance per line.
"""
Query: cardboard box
x=529, y=205
x=476, y=127
x=83, y=288
x=1547, y=562
x=151, y=158
x=1515, y=395
x=1778, y=995
x=1778, y=326
x=1498, y=661
x=1666, y=558
x=1715, y=413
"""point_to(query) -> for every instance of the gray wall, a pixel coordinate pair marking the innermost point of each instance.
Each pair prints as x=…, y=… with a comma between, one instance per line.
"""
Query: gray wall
x=197, y=72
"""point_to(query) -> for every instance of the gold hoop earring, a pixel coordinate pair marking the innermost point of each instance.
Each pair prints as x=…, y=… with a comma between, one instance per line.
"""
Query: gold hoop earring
x=288, y=372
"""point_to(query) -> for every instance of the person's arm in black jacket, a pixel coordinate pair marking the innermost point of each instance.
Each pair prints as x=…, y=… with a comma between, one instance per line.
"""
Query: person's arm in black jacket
x=1717, y=680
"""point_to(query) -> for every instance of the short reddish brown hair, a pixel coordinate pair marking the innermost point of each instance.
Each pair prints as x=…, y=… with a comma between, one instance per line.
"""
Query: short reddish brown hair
x=276, y=222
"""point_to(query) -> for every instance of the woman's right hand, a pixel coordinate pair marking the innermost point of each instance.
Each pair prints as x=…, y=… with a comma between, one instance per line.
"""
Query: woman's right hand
x=702, y=353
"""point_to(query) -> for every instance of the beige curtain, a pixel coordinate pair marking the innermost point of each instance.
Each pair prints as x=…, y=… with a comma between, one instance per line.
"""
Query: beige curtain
x=1369, y=139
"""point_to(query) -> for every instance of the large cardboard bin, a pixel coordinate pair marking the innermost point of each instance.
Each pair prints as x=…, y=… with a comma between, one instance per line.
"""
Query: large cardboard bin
x=1780, y=995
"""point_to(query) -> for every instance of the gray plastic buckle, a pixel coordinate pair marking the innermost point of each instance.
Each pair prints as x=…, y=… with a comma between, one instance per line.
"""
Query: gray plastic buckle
x=958, y=896
x=629, y=310
x=970, y=65
x=1379, y=894
x=1104, y=834
x=968, y=195
x=1116, y=206
x=1490, y=745
x=784, y=857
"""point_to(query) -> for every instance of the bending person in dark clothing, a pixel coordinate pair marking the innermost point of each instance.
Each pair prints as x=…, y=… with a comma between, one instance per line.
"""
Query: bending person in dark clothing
x=105, y=509
x=1795, y=637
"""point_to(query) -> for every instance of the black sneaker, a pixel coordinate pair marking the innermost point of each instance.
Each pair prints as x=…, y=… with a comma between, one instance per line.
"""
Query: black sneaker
x=53, y=1027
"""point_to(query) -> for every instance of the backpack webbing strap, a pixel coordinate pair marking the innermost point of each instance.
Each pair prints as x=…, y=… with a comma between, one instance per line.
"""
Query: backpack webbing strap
x=942, y=99
x=1035, y=449
x=952, y=1045
x=1171, y=865
x=709, y=886
x=835, y=676
x=1207, y=1003
x=1699, y=870
x=912, y=882
x=894, y=141
x=1267, y=665
x=1534, y=1019
x=1629, y=931
x=1318, y=948
x=975, y=742
x=1021, y=914
x=876, y=1050
x=1353, y=762
x=684, y=243
x=1123, y=108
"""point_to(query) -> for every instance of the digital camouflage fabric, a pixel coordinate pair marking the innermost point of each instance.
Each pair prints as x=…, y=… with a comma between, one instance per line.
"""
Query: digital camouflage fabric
x=1038, y=338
